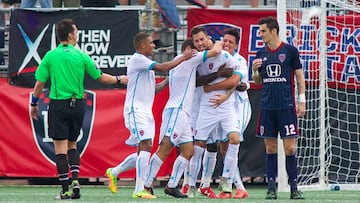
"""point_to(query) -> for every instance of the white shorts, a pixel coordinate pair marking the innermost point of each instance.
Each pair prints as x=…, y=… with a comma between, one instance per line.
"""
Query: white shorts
x=243, y=112
x=210, y=118
x=176, y=125
x=141, y=127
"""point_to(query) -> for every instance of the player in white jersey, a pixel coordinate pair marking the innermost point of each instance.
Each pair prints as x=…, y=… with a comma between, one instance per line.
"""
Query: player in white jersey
x=242, y=104
x=175, y=128
x=209, y=117
x=138, y=106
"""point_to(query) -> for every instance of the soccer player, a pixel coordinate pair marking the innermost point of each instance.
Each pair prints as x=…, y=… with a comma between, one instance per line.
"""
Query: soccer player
x=209, y=118
x=242, y=105
x=175, y=128
x=274, y=67
x=139, y=99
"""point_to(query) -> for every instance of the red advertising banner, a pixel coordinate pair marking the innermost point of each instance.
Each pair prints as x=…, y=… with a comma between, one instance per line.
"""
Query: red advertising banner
x=342, y=45
x=25, y=155
x=246, y=21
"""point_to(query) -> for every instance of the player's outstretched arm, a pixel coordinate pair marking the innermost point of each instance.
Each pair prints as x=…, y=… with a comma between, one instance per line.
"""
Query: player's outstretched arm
x=163, y=67
x=111, y=79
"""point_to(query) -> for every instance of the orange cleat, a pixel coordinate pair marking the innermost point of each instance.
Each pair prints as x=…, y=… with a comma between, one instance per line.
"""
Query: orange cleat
x=225, y=195
x=241, y=194
x=208, y=192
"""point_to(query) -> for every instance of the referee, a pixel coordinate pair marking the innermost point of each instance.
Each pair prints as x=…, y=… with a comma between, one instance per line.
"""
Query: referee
x=65, y=67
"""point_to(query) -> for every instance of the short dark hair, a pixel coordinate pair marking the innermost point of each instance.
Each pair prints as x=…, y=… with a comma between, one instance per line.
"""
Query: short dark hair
x=234, y=32
x=197, y=29
x=63, y=28
x=270, y=22
x=186, y=43
x=139, y=38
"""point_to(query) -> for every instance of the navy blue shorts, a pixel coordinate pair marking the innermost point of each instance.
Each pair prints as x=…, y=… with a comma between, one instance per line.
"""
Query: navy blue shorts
x=273, y=122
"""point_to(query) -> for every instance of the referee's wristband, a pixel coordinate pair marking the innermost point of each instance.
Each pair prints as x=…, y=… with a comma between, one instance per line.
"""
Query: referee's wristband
x=34, y=100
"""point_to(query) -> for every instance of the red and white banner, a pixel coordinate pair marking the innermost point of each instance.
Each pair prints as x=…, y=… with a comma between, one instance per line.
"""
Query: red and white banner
x=22, y=154
x=343, y=66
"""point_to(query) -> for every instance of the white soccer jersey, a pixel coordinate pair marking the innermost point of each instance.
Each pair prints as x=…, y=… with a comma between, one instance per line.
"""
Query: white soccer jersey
x=241, y=61
x=140, y=90
x=182, y=83
x=212, y=65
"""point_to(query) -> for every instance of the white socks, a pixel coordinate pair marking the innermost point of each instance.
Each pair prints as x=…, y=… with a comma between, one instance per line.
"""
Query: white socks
x=209, y=163
x=128, y=163
x=179, y=166
x=154, y=167
x=195, y=164
x=142, y=163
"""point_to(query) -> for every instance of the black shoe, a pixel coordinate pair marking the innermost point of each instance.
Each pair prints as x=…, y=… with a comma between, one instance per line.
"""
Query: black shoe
x=150, y=190
x=161, y=46
x=271, y=194
x=174, y=192
x=296, y=194
x=63, y=196
x=75, y=186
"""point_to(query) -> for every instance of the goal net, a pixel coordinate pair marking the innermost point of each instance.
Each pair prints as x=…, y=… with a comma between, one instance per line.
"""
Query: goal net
x=327, y=35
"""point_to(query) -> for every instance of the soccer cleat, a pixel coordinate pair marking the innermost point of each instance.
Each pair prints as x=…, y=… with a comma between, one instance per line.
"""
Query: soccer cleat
x=191, y=193
x=185, y=189
x=149, y=189
x=144, y=194
x=174, y=192
x=271, y=194
x=112, y=180
x=63, y=196
x=225, y=195
x=208, y=192
x=296, y=195
x=75, y=186
x=241, y=194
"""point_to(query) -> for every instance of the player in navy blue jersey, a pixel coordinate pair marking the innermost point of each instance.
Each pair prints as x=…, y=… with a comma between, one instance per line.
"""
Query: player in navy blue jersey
x=275, y=67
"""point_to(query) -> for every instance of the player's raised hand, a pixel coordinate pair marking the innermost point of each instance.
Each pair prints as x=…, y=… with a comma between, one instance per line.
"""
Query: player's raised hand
x=256, y=64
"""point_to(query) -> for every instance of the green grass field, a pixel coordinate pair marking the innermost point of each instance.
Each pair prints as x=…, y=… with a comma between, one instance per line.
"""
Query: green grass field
x=102, y=194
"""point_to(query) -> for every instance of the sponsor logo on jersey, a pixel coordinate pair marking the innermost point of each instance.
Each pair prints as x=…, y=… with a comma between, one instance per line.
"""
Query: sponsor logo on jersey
x=40, y=126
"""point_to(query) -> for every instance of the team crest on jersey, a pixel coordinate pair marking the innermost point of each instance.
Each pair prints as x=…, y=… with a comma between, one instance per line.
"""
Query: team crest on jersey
x=141, y=132
x=282, y=57
x=175, y=136
x=40, y=126
x=211, y=66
